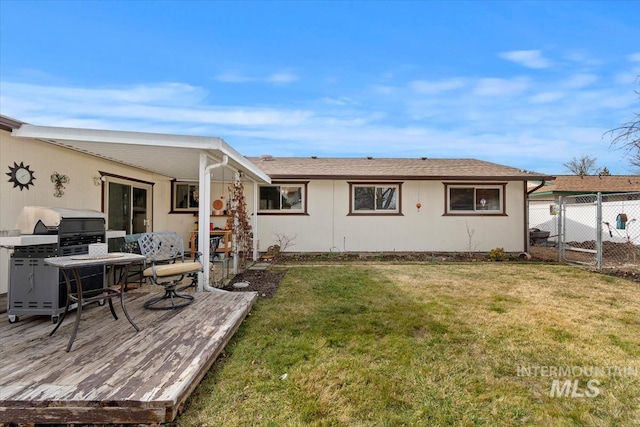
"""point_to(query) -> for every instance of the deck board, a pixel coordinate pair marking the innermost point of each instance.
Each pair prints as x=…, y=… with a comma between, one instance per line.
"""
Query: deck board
x=114, y=374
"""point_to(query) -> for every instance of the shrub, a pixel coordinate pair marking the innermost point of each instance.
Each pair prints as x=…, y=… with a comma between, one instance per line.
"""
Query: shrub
x=496, y=254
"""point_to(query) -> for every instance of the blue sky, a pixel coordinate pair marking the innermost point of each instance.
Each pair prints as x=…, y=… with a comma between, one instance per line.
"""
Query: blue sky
x=525, y=84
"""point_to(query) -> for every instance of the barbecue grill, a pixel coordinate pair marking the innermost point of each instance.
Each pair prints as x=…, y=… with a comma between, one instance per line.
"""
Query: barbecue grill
x=36, y=288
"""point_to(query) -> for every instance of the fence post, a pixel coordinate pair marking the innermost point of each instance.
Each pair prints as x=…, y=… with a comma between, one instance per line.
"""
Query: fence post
x=599, y=232
x=560, y=229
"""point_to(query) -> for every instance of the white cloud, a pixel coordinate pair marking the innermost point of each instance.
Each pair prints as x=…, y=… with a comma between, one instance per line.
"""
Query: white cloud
x=501, y=87
x=384, y=89
x=281, y=78
x=634, y=57
x=161, y=103
x=581, y=58
x=171, y=93
x=521, y=122
x=527, y=58
x=433, y=87
x=340, y=101
x=578, y=81
x=546, y=97
x=233, y=76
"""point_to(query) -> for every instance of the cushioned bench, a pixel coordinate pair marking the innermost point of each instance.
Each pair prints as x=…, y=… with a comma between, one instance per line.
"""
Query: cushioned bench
x=165, y=252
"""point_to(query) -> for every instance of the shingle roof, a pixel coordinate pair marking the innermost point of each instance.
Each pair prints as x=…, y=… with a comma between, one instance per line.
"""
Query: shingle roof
x=591, y=184
x=387, y=168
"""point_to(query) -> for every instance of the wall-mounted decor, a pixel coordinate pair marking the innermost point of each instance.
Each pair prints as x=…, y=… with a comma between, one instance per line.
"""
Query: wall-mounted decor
x=21, y=176
x=58, y=183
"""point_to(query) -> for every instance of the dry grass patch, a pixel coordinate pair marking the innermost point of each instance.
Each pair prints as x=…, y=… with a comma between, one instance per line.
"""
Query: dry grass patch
x=428, y=344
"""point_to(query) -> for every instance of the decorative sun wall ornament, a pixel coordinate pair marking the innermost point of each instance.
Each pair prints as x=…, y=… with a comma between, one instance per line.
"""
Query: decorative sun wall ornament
x=58, y=183
x=21, y=176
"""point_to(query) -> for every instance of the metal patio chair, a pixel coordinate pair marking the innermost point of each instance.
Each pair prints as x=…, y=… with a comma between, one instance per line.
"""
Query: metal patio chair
x=165, y=253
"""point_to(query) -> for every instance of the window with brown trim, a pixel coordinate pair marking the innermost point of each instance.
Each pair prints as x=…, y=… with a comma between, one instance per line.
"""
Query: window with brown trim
x=374, y=198
x=474, y=199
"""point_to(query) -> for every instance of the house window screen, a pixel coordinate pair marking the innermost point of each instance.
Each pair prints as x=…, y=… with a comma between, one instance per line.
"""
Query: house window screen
x=282, y=198
x=185, y=197
x=375, y=198
x=475, y=199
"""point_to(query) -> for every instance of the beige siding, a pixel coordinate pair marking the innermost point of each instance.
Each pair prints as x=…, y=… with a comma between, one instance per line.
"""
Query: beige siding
x=80, y=193
x=328, y=227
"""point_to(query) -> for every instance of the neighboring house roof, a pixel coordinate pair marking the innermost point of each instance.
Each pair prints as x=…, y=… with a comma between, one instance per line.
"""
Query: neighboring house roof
x=576, y=184
x=389, y=168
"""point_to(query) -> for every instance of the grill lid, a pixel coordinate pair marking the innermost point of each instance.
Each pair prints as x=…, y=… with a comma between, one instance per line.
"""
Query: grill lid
x=42, y=220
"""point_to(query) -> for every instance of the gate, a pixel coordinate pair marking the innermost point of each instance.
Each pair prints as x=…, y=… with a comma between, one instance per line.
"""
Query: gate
x=599, y=230
x=579, y=229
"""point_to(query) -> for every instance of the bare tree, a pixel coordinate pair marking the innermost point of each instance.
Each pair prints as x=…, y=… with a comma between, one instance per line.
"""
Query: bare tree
x=285, y=241
x=585, y=165
x=627, y=137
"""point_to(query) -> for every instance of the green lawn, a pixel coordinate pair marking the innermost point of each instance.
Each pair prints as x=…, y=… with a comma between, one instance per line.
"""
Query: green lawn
x=431, y=344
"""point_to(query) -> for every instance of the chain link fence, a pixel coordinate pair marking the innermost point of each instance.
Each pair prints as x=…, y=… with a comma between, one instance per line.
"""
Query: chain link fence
x=599, y=230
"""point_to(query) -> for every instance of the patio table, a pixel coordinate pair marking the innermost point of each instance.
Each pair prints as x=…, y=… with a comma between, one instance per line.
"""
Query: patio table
x=70, y=265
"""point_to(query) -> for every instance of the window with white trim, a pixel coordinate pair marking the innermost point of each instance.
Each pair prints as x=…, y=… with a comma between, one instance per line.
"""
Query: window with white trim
x=475, y=199
x=284, y=198
x=379, y=198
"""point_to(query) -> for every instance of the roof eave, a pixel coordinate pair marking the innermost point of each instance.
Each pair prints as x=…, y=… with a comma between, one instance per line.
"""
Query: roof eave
x=9, y=124
x=409, y=178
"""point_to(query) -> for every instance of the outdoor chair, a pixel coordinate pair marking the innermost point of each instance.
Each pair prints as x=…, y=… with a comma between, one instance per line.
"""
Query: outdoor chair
x=130, y=245
x=214, y=243
x=127, y=244
x=165, y=253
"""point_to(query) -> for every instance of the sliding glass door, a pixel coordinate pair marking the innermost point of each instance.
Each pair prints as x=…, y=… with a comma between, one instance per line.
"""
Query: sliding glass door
x=128, y=205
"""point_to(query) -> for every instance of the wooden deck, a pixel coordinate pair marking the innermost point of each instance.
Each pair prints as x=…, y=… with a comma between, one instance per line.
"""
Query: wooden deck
x=113, y=374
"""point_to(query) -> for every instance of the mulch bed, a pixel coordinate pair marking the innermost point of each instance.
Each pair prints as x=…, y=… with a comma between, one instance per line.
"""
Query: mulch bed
x=264, y=282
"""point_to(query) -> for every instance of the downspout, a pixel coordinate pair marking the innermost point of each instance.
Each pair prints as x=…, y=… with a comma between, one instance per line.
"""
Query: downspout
x=204, y=222
x=537, y=187
x=255, y=221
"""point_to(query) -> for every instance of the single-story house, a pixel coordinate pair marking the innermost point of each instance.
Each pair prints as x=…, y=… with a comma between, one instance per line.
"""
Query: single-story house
x=155, y=182
x=393, y=204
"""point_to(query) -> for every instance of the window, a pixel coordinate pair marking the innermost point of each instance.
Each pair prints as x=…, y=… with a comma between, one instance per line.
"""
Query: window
x=287, y=198
x=475, y=199
x=185, y=197
x=378, y=198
